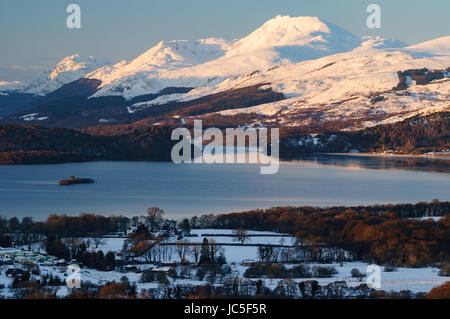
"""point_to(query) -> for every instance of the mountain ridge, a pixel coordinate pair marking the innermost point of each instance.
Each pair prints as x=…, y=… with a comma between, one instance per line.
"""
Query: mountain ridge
x=324, y=73
x=69, y=69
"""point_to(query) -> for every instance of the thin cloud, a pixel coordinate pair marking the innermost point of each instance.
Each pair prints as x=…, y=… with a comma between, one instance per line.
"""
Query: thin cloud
x=26, y=68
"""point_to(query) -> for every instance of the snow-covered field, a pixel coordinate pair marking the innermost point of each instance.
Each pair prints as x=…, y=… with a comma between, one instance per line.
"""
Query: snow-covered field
x=414, y=279
x=260, y=238
x=434, y=218
x=197, y=236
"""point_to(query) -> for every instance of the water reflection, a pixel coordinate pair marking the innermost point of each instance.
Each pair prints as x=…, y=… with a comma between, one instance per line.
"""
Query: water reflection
x=427, y=164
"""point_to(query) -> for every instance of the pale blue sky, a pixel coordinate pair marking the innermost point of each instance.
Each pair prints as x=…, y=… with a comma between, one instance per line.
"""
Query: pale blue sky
x=33, y=34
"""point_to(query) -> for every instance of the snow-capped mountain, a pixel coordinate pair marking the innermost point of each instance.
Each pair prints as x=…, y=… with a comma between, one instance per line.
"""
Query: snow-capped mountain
x=314, y=73
x=10, y=86
x=280, y=41
x=290, y=37
x=355, y=87
x=67, y=70
x=132, y=78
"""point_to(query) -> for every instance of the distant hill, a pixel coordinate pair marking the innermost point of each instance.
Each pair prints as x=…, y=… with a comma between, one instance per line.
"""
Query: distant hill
x=415, y=135
x=32, y=144
x=21, y=144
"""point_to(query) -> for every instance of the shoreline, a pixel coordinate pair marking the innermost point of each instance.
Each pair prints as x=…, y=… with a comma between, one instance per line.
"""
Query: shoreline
x=424, y=156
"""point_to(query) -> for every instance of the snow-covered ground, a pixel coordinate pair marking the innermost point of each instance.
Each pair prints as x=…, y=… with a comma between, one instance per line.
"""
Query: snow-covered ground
x=414, y=279
x=107, y=244
x=434, y=218
x=254, y=237
x=197, y=236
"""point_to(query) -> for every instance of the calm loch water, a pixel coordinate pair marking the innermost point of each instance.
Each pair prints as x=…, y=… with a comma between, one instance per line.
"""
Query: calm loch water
x=128, y=188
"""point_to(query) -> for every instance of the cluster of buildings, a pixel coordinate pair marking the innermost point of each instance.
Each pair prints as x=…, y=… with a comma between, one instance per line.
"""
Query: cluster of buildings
x=12, y=256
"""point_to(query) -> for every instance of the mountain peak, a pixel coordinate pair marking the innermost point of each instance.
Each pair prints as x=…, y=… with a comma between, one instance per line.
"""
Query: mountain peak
x=379, y=42
x=165, y=56
x=307, y=32
x=74, y=63
x=187, y=52
x=69, y=69
x=300, y=26
x=279, y=41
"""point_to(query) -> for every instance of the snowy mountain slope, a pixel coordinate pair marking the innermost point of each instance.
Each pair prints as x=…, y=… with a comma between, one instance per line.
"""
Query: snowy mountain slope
x=280, y=41
x=67, y=70
x=136, y=77
x=344, y=87
x=439, y=46
x=381, y=43
x=10, y=86
x=326, y=74
x=365, y=69
x=335, y=77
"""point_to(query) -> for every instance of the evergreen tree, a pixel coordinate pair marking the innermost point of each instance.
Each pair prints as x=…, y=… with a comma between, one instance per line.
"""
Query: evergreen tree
x=186, y=226
x=205, y=253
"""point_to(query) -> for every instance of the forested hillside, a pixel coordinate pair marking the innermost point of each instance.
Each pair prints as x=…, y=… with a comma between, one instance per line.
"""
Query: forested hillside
x=415, y=135
x=35, y=144
x=383, y=233
x=26, y=144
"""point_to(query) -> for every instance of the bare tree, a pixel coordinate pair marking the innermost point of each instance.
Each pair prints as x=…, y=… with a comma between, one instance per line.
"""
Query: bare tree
x=241, y=235
x=214, y=249
x=196, y=249
x=154, y=217
x=143, y=249
x=182, y=248
x=73, y=243
x=98, y=241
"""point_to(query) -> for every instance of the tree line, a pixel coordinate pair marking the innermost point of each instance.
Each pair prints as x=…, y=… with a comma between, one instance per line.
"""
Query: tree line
x=33, y=144
x=73, y=248
x=418, y=135
x=386, y=234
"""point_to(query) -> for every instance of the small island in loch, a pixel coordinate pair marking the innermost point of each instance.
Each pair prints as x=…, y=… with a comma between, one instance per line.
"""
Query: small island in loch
x=76, y=180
